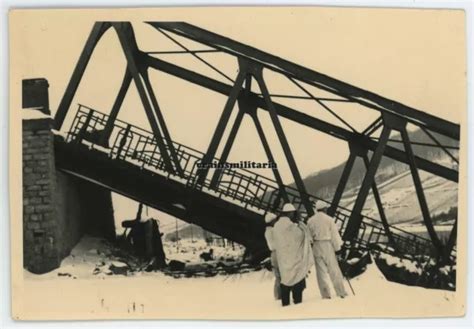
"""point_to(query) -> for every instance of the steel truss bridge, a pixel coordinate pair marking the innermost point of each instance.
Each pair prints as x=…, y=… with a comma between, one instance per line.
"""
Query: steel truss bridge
x=152, y=168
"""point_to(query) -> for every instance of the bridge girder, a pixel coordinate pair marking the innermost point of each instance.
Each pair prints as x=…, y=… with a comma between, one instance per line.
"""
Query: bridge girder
x=299, y=117
x=252, y=61
x=314, y=78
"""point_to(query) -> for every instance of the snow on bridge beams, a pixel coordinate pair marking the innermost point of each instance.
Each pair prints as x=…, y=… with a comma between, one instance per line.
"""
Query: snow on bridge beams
x=393, y=115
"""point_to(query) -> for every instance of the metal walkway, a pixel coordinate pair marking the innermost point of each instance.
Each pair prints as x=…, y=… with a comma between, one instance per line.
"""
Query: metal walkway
x=237, y=188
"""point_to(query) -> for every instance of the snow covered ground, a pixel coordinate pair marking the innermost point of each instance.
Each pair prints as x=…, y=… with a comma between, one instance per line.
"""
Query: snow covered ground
x=74, y=288
x=400, y=205
x=188, y=251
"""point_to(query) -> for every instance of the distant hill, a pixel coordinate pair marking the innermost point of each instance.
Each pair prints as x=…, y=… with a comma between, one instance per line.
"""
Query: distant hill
x=323, y=183
x=189, y=231
x=400, y=206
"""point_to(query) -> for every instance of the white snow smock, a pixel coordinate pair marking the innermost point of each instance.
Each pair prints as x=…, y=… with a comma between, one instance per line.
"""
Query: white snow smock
x=322, y=227
x=274, y=262
x=269, y=238
x=292, y=243
x=326, y=241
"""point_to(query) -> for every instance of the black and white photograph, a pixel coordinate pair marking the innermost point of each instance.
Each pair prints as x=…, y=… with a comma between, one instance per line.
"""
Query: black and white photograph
x=246, y=163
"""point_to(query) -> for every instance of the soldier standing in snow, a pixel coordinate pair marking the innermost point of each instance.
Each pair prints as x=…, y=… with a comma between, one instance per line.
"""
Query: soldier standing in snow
x=326, y=242
x=292, y=244
x=270, y=220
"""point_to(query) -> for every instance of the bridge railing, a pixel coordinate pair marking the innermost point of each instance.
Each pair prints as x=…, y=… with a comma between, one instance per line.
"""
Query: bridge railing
x=138, y=146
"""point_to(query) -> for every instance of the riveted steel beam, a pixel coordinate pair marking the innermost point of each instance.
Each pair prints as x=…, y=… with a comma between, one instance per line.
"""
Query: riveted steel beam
x=299, y=117
x=97, y=32
x=314, y=78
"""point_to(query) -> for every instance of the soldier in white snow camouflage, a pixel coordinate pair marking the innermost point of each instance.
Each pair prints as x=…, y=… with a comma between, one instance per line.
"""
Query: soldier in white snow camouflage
x=326, y=242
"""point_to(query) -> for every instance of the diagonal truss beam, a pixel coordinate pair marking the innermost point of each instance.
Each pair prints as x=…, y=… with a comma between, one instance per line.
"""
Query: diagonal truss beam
x=320, y=102
x=355, y=218
x=314, y=78
x=222, y=124
x=299, y=117
x=161, y=120
x=341, y=186
x=452, y=238
x=286, y=112
x=247, y=107
x=109, y=126
x=378, y=202
x=373, y=126
x=194, y=54
x=97, y=32
x=130, y=50
x=443, y=147
x=284, y=142
x=182, y=52
x=420, y=193
x=227, y=147
x=271, y=159
x=233, y=132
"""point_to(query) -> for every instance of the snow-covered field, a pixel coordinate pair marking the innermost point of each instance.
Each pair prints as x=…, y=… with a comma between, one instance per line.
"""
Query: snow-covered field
x=399, y=198
x=443, y=231
x=74, y=288
x=189, y=251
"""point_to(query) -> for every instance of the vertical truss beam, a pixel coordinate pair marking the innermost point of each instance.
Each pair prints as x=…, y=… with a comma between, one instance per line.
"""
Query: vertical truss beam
x=341, y=186
x=221, y=125
x=228, y=146
x=97, y=32
x=268, y=152
x=257, y=72
x=355, y=218
x=298, y=117
x=109, y=126
x=420, y=193
x=243, y=108
x=452, y=239
x=378, y=202
x=130, y=49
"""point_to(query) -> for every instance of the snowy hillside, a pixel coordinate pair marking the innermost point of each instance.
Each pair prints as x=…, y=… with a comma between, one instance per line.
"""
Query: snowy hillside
x=399, y=198
x=322, y=183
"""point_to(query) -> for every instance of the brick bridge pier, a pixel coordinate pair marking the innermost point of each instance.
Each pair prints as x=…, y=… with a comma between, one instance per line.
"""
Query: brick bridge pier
x=58, y=209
